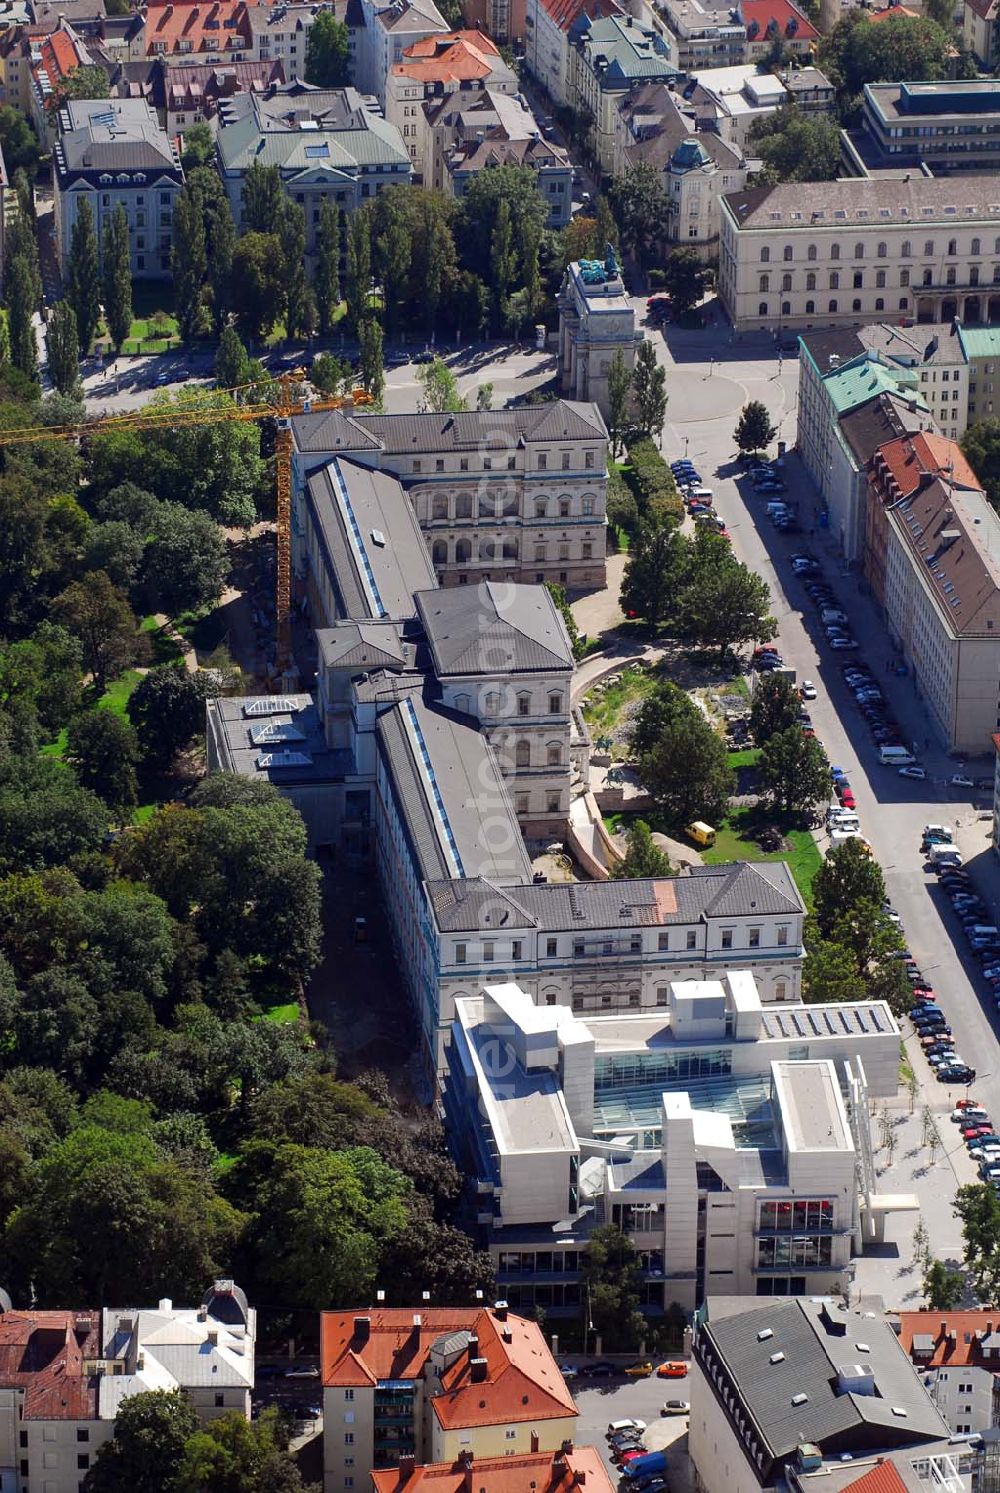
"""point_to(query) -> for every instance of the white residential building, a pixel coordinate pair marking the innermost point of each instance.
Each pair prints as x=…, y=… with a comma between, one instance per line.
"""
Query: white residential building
x=550, y=29
x=110, y=152
x=609, y=58
x=957, y=1355
x=383, y=33
x=65, y=1374
x=735, y=98
x=729, y=1140
x=842, y=253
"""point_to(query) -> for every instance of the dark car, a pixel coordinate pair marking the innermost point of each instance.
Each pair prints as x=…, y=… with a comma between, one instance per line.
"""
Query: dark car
x=956, y=1073
x=602, y=1370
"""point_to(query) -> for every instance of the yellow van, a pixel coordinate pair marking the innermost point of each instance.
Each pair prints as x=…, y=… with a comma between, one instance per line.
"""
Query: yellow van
x=701, y=833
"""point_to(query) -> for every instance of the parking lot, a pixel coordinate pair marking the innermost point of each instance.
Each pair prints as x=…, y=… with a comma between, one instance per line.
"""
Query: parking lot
x=601, y=1401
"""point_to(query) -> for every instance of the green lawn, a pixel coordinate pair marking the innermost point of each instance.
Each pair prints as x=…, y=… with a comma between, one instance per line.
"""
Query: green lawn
x=733, y=843
x=749, y=757
x=283, y=1015
x=165, y=649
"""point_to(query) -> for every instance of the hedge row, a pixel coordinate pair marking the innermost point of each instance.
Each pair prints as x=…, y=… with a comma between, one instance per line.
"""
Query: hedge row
x=653, y=482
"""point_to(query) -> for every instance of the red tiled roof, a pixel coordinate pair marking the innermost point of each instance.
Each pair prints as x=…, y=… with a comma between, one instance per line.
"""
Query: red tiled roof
x=882, y=1479
x=891, y=10
x=551, y=1471
x=42, y=1353
x=212, y=26
x=459, y=57
x=911, y=458
x=522, y=1381
x=566, y=12
x=781, y=12
x=957, y=1336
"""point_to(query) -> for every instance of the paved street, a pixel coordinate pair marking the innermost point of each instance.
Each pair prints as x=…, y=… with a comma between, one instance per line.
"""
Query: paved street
x=601, y=1401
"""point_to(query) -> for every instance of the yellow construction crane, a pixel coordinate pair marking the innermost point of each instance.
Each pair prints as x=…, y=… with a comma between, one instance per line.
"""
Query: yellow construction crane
x=290, y=401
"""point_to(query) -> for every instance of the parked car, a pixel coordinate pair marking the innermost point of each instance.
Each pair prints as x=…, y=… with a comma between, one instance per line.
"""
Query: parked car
x=674, y=1368
x=959, y=780
x=913, y=772
x=640, y=1370
x=676, y=1407
x=600, y=1370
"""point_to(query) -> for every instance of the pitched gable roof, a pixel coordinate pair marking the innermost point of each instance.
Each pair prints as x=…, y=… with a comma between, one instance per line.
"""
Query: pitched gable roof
x=555, y=1472
x=950, y=1339
x=493, y=628
x=765, y=889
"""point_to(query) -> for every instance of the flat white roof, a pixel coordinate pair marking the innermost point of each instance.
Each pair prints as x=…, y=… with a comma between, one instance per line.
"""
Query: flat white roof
x=812, y=1110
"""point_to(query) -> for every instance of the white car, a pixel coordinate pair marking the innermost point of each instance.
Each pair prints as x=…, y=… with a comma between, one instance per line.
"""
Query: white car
x=959, y=780
x=675, y=1407
x=913, y=772
x=970, y=1116
x=807, y=690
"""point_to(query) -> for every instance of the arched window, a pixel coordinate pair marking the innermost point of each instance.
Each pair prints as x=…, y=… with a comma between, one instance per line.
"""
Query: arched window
x=463, y=551
x=950, y=276
x=786, y=308
x=834, y=280
x=439, y=552
x=522, y=754
x=764, y=284
x=879, y=303
x=833, y=306
x=834, y=251
x=762, y=308
x=974, y=248
x=786, y=282
x=788, y=251
x=439, y=508
x=879, y=279
x=810, y=281
x=859, y=251
x=953, y=246
x=811, y=252
x=904, y=301
x=553, y=754
x=463, y=505
x=855, y=305
x=881, y=251
x=810, y=307
x=906, y=252
x=765, y=255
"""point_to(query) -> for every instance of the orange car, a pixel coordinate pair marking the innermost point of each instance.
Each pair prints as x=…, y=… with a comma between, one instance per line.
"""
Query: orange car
x=673, y=1369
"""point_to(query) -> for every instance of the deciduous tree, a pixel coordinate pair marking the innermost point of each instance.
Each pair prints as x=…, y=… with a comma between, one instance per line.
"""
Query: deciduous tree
x=98, y=614
x=103, y=750
x=189, y=258
x=655, y=572
x=943, y=1287
x=257, y=285
x=619, y=392
x=640, y=205
x=263, y=198
x=796, y=146
x=326, y=52
x=682, y=759
x=440, y=387
x=372, y=358
x=683, y=278
x=20, y=309
x=725, y=603
x=754, y=430
x=167, y=708
x=775, y=707
x=978, y=1207
x=649, y=391
x=794, y=771
x=642, y=857
x=326, y=280
x=147, y=1452
x=292, y=235
x=185, y=562
x=359, y=267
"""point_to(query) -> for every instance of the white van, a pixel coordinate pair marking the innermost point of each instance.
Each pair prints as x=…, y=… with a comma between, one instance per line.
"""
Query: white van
x=944, y=854
x=840, y=836
x=895, y=756
x=698, y=495
x=844, y=822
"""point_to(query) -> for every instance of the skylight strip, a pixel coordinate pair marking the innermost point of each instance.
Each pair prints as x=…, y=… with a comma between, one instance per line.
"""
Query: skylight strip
x=367, y=574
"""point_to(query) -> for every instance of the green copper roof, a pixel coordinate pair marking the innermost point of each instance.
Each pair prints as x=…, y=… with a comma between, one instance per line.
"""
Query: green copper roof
x=980, y=342
x=865, y=377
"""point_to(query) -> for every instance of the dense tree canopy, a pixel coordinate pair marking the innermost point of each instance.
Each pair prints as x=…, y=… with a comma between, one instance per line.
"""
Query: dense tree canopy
x=796, y=146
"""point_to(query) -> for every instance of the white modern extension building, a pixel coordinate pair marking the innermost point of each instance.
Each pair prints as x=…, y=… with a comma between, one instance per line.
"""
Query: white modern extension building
x=728, y=1139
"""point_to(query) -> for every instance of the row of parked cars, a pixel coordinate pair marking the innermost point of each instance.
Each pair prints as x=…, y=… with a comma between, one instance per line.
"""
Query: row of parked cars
x=698, y=499
x=929, y=1020
x=981, y=1139
x=642, y=1471
x=767, y=481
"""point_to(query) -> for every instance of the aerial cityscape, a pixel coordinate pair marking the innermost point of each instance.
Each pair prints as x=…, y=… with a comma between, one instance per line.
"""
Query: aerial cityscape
x=499, y=746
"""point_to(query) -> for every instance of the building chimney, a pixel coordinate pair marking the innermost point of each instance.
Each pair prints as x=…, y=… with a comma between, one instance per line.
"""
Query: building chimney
x=362, y=1329
x=417, y=1321
x=407, y=1467
x=567, y=1448
x=580, y=1477
x=944, y=1330
x=477, y=1370
x=473, y=1345
x=500, y=1310
x=165, y=1304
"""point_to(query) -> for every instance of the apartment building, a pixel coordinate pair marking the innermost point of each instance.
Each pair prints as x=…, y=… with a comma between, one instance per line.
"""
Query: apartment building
x=703, y=34
x=596, y=321
x=981, y=346
x=187, y=93
x=549, y=29
x=501, y=19
x=327, y=144
x=725, y=1137
x=957, y=1355
x=610, y=57
x=855, y=251
x=941, y=584
x=383, y=33
x=550, y=164
x=457, y=62
x=979, y=30
x=210, y=30
x=113, y=152
x=771, y=21
x=944, y=127
x=563, y=1471
x=656, y=128
x=278, y=34
x=57, y=56
x=780, y=1389
x=64, y=1375
x=435, y=1385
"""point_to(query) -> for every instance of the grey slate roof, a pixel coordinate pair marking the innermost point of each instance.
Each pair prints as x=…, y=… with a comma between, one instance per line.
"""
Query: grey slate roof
x=817, y=1339
x=581, y=906
x=376, y=579
x=856, y=203
x=494, y=628
x=470, y=788
x=268, y=128
x=362, y=645
x=563, y=419
x=113, y=135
